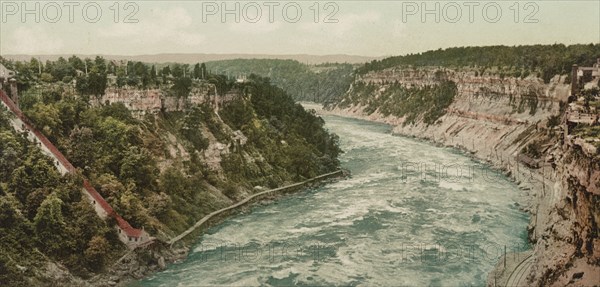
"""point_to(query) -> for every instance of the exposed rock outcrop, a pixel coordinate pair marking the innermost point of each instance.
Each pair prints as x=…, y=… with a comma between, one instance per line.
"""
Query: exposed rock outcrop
x=494, y=118
x=144, y=101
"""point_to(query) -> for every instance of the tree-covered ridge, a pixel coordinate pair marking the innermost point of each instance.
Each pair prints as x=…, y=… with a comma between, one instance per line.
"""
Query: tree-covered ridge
x=318, y=83
x=547, y=60
x=158, y=172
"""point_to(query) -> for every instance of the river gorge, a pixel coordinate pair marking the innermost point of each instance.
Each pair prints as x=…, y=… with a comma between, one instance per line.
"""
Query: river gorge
x=411, y=214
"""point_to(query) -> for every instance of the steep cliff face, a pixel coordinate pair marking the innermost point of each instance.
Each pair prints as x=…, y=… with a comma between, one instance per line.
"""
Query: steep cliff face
x=151, y=101
x=567, y=250
x=495, y=118
x=490, y=116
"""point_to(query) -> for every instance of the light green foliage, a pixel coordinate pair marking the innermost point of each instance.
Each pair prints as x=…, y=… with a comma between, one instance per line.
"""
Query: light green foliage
x=47, y=119
x=159, y=204
x=120, y=155
x=81, y=146
x=40, y=209
x=131, y=207
x=10, y=149
x=15, y=242
x=173, y=182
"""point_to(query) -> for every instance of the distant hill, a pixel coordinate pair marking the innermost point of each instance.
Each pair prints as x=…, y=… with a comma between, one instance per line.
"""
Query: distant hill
x=200, y=58
x=317, y=83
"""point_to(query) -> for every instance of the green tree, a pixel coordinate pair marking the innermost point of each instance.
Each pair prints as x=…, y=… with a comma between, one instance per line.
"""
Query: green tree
x=191, y=128
x=173, y=182
x=131, y=207
x=177, y=71
x=10, y=149
x=76, y=63
x=139, y=168
x=82, y=147
x=238, y=113
x=95, y=254
x=96, y=84
x=182, y=87
x=47, y=118
x=49, y=225
x=34, y=201
x=166, y=71
x=197, y=72
x=35, y=172
x=159, y=204
x=153, y=74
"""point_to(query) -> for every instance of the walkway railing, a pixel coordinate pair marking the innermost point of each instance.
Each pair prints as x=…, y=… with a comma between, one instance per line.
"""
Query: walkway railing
x=246, y=200
x=17, y=112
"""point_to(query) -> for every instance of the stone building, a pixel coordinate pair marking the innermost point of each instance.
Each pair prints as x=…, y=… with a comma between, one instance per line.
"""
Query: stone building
x=587, y=74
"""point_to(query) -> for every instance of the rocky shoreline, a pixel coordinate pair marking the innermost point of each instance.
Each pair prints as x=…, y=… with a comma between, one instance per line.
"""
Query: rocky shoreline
x=493, y=143
x=552, y=220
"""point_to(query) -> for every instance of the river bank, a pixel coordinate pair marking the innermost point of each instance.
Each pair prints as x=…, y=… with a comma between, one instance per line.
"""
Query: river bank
x=497, y=144
x=143, y=262
x=366, y=230
x=561, y=232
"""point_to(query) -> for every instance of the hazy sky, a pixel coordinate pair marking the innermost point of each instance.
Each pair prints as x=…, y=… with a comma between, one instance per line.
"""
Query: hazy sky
x=370, y=28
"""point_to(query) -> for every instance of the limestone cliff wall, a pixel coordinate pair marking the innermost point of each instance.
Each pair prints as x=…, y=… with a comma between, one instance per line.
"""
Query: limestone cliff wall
x=142, y=101
x=567, y=250
x=485, y=119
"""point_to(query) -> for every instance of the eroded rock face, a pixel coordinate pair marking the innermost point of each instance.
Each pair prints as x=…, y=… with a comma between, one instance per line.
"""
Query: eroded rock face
x=563, y=195
x=491, y=95
x=141, y=102
x=568, y=250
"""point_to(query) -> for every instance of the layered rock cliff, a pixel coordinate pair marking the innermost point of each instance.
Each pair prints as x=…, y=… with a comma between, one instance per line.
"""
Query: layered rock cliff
x=151, y=101
x=501, y=120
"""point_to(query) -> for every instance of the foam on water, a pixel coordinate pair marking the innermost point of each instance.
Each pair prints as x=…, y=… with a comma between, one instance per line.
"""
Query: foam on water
x=383, y=226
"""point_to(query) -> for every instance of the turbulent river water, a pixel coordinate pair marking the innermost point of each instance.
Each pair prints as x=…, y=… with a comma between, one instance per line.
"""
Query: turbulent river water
x=411, y=214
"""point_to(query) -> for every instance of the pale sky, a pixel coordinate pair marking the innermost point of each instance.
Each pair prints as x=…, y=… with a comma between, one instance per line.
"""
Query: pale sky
x=369, y=28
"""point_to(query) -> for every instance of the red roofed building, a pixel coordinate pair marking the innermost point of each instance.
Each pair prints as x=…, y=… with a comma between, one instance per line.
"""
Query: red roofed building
x=132, y=237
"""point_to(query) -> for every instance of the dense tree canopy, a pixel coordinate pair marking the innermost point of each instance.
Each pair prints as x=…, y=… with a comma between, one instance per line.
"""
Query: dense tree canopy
x=548, y=60
x=162, y=172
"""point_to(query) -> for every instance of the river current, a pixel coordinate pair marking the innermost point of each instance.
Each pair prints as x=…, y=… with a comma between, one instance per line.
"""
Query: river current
x=412, y=214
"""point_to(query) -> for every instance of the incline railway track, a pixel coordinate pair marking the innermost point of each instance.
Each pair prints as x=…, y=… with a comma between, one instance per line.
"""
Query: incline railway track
x=519, y=274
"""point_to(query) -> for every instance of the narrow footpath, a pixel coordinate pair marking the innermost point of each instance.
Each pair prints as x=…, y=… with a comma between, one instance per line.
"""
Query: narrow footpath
x=246, y=200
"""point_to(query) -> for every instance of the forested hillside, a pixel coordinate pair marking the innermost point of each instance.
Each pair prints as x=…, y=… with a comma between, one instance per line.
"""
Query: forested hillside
x=317, y=83
x=162, y=172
